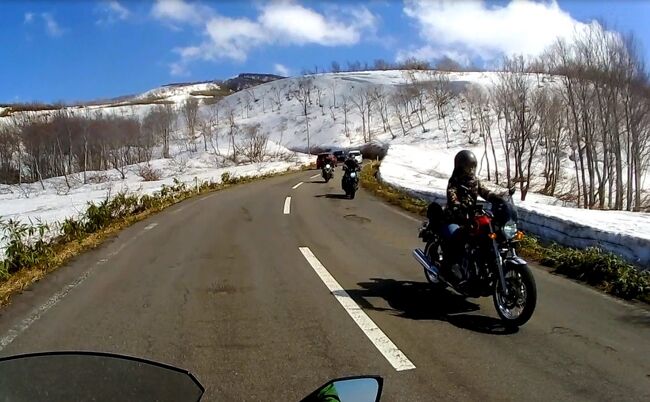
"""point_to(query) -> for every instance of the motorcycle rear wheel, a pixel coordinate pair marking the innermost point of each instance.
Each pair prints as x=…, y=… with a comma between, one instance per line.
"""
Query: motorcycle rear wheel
x=516, y=308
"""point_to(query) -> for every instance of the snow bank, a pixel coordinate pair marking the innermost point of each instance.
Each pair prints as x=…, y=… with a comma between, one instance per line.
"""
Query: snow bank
x=424, y=170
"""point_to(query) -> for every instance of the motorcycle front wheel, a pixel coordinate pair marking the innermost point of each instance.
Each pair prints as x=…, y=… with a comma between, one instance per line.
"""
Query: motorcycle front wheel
x=516, y=307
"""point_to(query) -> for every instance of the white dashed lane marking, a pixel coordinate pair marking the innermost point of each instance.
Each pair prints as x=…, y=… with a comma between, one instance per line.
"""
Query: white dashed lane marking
x=287, y=206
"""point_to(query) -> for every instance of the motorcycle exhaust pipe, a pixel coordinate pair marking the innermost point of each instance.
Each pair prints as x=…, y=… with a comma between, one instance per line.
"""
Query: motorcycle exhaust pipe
x=426, y=264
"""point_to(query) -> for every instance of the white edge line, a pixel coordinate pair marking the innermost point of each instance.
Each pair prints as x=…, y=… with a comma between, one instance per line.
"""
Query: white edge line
x=150, y=226
x=287, y=206
x=315, y=176
x=296, y=186
x=179, y=209
x=409, y=217
x=385, y=346
x=37, y=313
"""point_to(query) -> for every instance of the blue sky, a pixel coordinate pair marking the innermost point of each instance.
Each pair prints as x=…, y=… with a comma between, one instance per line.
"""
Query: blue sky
x=80, y=50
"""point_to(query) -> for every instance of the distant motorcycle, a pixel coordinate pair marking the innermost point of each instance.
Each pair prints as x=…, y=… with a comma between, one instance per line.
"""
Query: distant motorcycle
x=489, y=266
x=327, y=172
x=350, y=183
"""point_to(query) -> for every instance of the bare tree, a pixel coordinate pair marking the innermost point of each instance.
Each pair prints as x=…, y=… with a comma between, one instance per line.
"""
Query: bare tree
x=232, y=132
x=518, y=104
x=10, y=171
x=416, y=95
x=359, y=100
x=277, y=96
x=396, y=104
x=381, y=98
x=190, y=112
x=303, y=94
x=333, y=85
x=160, y=122
x=439, y=90
x=346, y=110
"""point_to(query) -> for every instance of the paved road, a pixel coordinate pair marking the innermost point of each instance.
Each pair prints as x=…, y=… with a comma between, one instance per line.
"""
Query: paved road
x=220, y=286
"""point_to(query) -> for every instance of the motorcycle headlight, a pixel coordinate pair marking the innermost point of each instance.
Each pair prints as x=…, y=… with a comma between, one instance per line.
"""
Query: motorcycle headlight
x=510, y=230
x=353, y=175
x=328, y=166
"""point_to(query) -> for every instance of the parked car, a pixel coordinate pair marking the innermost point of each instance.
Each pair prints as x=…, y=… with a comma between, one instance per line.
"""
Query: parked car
x=340, y=155
x=325, y=158
x=356, y=155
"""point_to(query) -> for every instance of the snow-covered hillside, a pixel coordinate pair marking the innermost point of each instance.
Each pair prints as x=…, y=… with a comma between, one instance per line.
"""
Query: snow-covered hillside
x=177, y=93
x=420, y=145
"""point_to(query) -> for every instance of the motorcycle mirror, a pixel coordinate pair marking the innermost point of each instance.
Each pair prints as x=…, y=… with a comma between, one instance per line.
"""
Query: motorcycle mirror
x=349, y=389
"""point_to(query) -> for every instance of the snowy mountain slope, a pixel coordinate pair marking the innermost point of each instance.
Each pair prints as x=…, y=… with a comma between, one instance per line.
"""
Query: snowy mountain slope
x=176, y=91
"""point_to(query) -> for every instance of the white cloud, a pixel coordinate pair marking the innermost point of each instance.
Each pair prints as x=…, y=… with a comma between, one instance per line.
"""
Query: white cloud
x=473, y=28
x=178, y=70
x=113, y=12
x=29, y=17
x=293, y=23
x=281, y=70
x=232, y=38
x=283, y=22
x=180, y=11
x=119, y=10
x=51, y=26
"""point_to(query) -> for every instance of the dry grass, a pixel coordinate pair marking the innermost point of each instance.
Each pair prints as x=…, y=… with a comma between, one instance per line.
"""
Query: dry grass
x=62, y=254
x=392, y=195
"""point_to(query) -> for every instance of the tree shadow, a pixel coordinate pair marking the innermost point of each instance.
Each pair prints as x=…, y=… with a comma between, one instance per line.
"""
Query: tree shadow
x=333, y=196
x=419, y=301
x=317, y=182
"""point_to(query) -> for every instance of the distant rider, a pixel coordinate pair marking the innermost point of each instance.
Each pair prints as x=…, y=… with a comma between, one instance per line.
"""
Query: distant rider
x=351, y=164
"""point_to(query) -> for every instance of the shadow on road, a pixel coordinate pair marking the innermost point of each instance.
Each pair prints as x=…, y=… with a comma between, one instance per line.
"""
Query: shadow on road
x=333, y=196
x=418, y=301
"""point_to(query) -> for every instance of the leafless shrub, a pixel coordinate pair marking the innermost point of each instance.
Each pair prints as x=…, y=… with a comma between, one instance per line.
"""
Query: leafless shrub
x=179, y=163
x=98, y=177
x=148, y=173
x=254, y=145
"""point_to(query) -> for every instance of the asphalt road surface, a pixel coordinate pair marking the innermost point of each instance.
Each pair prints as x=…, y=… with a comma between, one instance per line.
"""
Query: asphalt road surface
x=265, y=298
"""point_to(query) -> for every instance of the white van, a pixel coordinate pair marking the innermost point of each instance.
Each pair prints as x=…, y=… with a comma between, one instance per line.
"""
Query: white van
x=356, y=155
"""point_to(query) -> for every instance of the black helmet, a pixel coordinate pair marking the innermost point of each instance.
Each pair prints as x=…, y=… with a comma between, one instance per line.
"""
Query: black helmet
x=465, y=163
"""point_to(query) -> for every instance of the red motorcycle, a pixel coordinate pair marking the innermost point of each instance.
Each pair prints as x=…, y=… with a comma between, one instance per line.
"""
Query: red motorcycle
x=489, y=264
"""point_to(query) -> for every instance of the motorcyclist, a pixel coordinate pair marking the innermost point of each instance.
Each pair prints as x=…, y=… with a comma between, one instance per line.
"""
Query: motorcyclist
x=351, y=164
x=332, y=159
x=462, y=191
